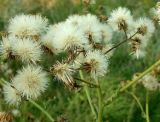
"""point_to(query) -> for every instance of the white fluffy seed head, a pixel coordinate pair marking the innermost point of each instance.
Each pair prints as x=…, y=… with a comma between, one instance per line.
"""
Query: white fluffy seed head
x=96, y=64
x=27, y=25
x=138, y=45
x=89, y=18
x=11, y=95
x=145, y=27
x=75, y=20
x=69, y=37
x=155, y=12
x=5, y=47
x=82, y=19
x=31, y=81
x=150, y=82
x=120, y=19
x=139, y=53
x=26, y=50
x=92, y=32
x=107, y=33
x=48, y=39
x=89, y=24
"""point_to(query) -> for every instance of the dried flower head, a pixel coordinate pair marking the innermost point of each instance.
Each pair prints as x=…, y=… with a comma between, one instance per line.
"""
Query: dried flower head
x=31, y=81
x=5, y=117
x=27, y=25
x=63, y=72
x=120, y=19
x=138, y=44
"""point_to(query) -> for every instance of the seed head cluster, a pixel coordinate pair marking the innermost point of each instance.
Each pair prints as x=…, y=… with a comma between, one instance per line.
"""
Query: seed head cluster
x=84, y=40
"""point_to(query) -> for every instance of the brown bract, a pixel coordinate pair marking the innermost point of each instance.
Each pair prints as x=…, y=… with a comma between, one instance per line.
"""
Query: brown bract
x=5, y=117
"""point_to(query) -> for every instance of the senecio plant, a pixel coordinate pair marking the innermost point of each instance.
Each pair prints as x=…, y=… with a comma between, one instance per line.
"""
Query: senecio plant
x=86, y=44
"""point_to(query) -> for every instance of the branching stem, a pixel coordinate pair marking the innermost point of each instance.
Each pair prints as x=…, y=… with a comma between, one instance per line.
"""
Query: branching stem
x=42, y=109
x=100, y=103
x=147, y=107
x=88, y=95
x=138, y=103
x=133, y=81
x=120, y=43
x=91, y=84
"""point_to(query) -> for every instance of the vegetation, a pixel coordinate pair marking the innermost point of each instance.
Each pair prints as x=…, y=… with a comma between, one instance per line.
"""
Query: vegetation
x=125, y=105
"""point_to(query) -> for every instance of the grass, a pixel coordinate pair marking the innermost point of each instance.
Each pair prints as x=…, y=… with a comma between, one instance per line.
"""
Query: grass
x=73, y=106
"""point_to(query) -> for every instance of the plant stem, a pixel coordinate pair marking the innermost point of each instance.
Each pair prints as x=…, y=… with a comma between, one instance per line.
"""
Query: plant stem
x=120, y=43
x=126, y=34
x=42, y=109
x=140, y=76
x=100, y=111
x=132, y=108
x=88, y=95
x=147, y=107
x=91, y=84
x=2, y=81
x=130, y=112
x=138, y=102
x=132, y=82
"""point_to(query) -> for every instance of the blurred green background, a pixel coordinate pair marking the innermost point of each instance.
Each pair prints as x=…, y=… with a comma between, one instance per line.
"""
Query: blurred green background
x=73, y=105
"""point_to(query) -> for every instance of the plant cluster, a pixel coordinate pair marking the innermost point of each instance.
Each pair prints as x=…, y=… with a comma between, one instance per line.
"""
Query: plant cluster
x=86, y=44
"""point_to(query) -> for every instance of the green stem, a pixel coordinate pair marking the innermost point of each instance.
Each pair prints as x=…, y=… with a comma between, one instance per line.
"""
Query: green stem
x=120, y=43
x=42, y=109
x=82, y=5
x=130, y=112
x=91, y=84
x=132, y=82
x=88, y=95
x=100, y=111
x=132, y=108
x=140, y=76
x=2, y=81
x=147, y=107
x=138, y=102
